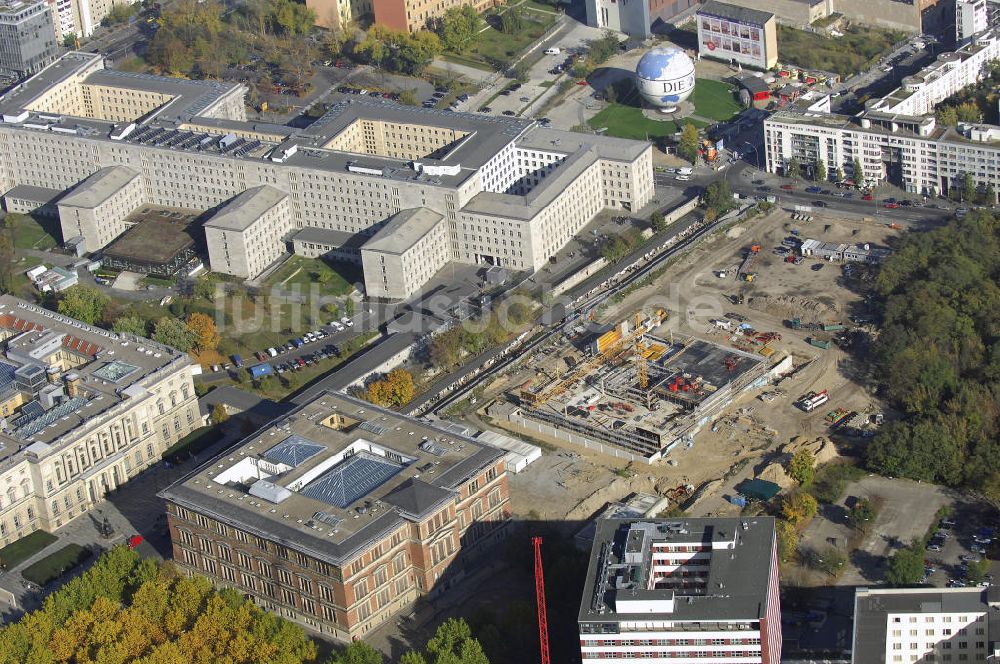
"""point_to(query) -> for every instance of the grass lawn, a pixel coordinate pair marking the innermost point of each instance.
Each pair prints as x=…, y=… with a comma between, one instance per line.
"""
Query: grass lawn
x=843, y=55
x=628, y=122
x=20, y=550
x=714, y=99
x=193, y=443
x=30, y=233
x=52, y=567
x=339, y=278
x=492, y=47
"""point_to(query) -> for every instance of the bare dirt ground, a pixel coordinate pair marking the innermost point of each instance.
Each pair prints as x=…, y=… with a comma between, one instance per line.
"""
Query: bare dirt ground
x=569, y=481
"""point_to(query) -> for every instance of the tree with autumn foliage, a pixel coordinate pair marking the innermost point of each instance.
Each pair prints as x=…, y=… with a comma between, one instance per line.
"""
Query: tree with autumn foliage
x=206, y=335
x=799, y=508
x=129, y=609
x=395, y=389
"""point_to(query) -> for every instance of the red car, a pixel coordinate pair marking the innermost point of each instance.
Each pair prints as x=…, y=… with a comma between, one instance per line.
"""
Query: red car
x=134, y=541
x=866, y=197
x=892, y=206
x=789, y=259
x=786, y=187
x=581, y=83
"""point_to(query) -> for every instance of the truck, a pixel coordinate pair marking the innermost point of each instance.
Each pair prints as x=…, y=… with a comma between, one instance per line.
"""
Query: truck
x=836, y=327
x=814, y=400
x=238, y=361
x=835, y=417
x=818, y=343
x=260, y=370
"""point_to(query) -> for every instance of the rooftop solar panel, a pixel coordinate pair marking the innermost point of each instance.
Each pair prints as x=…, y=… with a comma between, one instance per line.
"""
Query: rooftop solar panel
x=293, y=451
x=376, y=429
x=351, y=479
x=6, y=378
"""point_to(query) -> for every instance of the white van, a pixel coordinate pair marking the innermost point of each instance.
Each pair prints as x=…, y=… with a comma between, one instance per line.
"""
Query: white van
x=554, y=50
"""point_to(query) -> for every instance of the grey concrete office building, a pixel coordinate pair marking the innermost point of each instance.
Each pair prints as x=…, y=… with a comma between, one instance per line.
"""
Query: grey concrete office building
x=27, y=37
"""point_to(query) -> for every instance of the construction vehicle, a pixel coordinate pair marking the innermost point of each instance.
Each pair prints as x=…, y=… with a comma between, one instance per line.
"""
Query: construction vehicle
x=814, y=400
x=818, y=343
x=708, y=151
x=746, y=272
x=795, y=323
x=835, y=417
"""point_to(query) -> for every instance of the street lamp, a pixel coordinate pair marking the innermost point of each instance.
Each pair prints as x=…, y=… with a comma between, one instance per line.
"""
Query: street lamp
x=756, y=155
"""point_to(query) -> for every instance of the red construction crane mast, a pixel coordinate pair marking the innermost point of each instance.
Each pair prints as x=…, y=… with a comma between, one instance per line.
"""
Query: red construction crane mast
x=543, y=622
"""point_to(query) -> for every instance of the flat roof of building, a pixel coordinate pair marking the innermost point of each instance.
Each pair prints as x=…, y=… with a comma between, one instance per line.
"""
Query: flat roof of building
x=333, y=476
x=245, y=209
x=736, y=587
x=872, y=607
x=403, y=230
x=28, y=192
x=735, y=13
x=156, y=237
x=114, y=368
x=99, y=187
x=331, y=237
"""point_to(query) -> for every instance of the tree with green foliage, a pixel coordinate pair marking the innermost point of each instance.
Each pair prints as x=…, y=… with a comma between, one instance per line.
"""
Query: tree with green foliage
x=840, y=174
x=457, y=28
x=219, y=413
x=687, y=148
x=793, y=169
x=862, y=514
x=802, y=467
x=357, y=652
x=174, y=333
x=819, y=171
x=409, y=97
x=658, y=222
x=600, y=50
x=788, y=539
x=829, y=560
x=857, y=172
x=397, y=51
x=968, y=187
x=511, y=19
x=452, y=643
x=969, y=112
x=977, y=572
x=990, y=194
x=83, y=303
x=906, y=567
x=718, y=197
x=946, y=116
x=130, y=324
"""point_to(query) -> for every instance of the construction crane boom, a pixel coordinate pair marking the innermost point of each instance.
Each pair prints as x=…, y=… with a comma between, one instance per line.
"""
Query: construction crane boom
x=543, y=622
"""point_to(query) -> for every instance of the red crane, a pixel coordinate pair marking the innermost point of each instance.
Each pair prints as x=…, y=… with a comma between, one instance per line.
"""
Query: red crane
x=543, y=622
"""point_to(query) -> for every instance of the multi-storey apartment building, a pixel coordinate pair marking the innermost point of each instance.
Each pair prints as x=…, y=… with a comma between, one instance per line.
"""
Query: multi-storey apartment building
x=27, y=37
x=971, y=18
x=82, y=411
x=692, y=590
x=897, y=138
x=905, y=625
x=340, y=514
x=509, y=192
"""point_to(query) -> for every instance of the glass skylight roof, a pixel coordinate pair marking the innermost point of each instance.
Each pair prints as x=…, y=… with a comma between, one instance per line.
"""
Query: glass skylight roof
x=293, y=451
x=351, y=479
x=115, y=370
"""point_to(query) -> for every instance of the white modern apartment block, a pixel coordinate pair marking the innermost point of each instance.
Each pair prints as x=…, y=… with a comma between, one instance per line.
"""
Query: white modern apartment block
x=896, y=138
x=685, y=591
x=971, y=18
x=82, y=411
x=904, y=625
x=510, y=193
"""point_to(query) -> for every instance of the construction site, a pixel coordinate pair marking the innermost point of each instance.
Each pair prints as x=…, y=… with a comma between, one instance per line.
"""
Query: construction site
x=627, y=391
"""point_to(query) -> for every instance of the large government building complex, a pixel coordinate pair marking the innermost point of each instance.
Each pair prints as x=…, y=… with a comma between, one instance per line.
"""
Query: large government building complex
x=340, y=513
x=896, y=138
x=401, y=190
x=82, y=411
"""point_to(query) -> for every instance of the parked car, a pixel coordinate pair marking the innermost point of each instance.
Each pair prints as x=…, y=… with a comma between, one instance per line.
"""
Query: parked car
x=892, y=206
x=508, y=113
x=813, y=190
x=933, y=547
x=347, y=321
x=787, y=187
x=817, y=267
x=867, y=197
